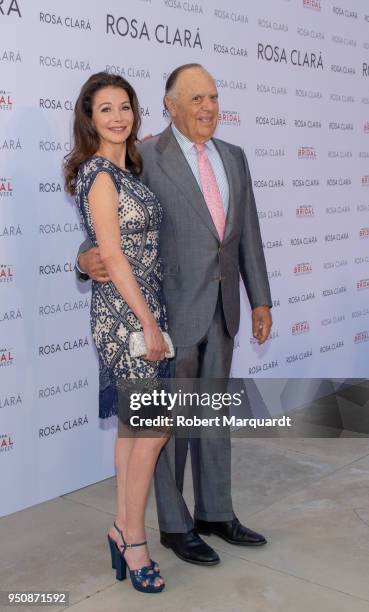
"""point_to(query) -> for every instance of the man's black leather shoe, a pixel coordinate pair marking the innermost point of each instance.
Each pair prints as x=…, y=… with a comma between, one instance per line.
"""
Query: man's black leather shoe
x=189, y=547
x=231, y=531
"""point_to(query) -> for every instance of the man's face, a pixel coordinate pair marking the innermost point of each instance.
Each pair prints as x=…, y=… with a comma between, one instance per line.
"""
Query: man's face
x=194, y=106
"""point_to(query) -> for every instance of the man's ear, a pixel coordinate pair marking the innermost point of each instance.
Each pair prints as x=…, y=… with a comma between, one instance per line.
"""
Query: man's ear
x=170, y=105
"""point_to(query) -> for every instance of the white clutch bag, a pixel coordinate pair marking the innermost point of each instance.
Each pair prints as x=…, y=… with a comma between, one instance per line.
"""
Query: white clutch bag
x=137, y=346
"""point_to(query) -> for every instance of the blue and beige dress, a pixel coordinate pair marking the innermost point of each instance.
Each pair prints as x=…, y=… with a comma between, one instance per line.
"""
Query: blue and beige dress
x=112, y=321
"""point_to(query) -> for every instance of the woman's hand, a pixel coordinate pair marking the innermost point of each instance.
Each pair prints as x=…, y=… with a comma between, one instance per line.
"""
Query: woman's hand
x=154, y=341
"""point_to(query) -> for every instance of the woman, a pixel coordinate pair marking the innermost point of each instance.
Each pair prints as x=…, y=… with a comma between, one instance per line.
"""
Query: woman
x=122, y=217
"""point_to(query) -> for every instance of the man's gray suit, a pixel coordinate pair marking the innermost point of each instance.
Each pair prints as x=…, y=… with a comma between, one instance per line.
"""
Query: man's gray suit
x=201, y=290
x=196, y=265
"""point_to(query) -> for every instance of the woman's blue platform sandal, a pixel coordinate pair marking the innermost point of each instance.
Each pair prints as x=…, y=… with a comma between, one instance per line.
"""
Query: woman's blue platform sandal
x=154, y=565
x=147, y=573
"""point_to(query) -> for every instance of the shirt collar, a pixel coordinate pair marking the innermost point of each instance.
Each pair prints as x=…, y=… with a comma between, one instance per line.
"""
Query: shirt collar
x=186, y=144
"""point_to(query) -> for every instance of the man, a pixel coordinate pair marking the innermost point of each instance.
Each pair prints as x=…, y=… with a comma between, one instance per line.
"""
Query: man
x=210, y=234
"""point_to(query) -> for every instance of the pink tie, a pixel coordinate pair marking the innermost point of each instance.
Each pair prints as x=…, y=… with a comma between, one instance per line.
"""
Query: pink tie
x=210, y=190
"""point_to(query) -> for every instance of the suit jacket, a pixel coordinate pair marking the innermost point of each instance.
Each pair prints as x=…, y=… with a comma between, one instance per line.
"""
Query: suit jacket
x=196, y=264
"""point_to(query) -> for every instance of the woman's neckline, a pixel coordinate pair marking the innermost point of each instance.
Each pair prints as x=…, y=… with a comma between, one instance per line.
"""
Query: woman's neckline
x=110, y=162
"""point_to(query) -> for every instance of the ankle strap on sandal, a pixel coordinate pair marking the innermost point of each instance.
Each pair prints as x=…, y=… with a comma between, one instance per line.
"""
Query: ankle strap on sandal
x=125, y=545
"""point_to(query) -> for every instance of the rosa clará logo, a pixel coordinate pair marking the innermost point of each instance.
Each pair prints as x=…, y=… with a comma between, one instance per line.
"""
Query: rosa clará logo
x=340, y=12
x=333, y=346
x=58, y=268
x=10, y=315
x=333, y=320
x=10, y=401
x=69, y=22
x=10, y=231
x=226, y=50
x=160, y=33
x=67, y=345
x=48, y=61
x=305, y=182
x=54, y=146
x=235, y=17
x=303, y=240
x=9, y=55
x=55, y=104
x=50, y=187
x=133, y=72
x=10, y=144
x=189, y=7
x=68, y=425
x=10, y=7
x=296, y=57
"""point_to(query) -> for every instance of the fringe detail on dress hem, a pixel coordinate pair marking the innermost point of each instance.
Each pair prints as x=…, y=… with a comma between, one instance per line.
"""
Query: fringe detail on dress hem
x=108, y=402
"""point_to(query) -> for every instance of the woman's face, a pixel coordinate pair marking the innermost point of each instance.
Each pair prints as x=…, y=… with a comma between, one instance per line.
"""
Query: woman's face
x=112, y=115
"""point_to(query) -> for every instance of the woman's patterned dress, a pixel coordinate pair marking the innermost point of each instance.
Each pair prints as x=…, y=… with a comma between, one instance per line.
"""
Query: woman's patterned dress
x=112, y=320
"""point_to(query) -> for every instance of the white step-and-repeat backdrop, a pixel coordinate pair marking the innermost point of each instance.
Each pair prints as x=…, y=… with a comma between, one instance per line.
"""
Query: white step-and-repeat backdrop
x=293, y=84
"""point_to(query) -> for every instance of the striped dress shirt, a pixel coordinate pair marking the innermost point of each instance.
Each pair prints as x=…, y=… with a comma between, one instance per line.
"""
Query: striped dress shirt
x=190, y=153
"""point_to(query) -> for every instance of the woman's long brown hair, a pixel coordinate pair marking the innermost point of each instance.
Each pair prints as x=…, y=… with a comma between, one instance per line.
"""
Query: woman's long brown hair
x=86, y=139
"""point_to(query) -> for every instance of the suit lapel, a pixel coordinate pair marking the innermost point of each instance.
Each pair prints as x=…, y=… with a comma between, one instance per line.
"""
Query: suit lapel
x=174, y=164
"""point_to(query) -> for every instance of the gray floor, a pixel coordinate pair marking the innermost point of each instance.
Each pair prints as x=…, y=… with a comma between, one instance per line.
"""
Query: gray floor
x=309, y=497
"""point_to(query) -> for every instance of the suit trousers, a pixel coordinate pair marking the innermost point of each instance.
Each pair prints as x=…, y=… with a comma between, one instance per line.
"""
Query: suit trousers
x=211, y=357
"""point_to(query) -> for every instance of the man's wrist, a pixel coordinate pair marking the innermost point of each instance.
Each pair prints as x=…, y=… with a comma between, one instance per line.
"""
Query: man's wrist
x=78, y=267
x=81, y=273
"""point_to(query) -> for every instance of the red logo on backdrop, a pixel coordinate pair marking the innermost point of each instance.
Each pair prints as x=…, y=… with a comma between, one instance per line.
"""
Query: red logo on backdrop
x=366, y=127
x=6, y=442
x=365, y=181
x=6, y=188
x=302, y=327
x=361, y=337
x=303, y=268
x=306, y=153
x=6, y=100
x=305, y=211
x=364, y=232
x=227, y=117
x=6, y=357
x=362, y=284
x=312, y=4
x=7, y=273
